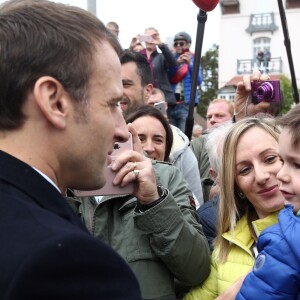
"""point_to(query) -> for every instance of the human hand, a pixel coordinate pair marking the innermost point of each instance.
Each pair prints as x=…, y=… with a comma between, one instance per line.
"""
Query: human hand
x=134, y=41
x=133, y=166
x=136, y=142
x=231, y=292
x=243, y=107
x=156, y=38
x=185, y=57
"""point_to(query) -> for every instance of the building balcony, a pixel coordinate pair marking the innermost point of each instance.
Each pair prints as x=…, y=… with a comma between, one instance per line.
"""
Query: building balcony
x=261, y=23
x=246, y=66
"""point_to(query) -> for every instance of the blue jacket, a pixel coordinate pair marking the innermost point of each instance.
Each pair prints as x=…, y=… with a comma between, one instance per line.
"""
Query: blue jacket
x=187, y=80
x=276, y=272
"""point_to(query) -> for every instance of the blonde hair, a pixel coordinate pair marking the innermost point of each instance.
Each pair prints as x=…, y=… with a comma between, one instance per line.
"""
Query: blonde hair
x=232, y=207
x=228, y=102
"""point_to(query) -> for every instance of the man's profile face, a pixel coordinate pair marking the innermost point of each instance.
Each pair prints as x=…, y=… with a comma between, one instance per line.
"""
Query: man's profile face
x=133, y=92
x=89, y=142
x=217, y=113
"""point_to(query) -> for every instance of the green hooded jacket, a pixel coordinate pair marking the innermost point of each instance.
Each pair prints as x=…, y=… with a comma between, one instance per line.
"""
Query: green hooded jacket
x=162, y=245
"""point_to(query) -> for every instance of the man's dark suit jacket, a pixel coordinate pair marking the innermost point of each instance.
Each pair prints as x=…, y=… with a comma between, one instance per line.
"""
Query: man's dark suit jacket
x=45, y=251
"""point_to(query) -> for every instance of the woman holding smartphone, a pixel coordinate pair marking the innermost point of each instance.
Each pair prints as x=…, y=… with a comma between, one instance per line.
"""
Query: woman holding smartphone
x=161, y=240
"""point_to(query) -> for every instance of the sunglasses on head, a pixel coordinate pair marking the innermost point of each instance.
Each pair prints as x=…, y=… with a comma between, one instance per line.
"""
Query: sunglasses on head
x=181, y=44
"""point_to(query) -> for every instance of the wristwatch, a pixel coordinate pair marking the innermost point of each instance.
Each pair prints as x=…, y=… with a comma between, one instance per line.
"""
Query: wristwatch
x=162, y=192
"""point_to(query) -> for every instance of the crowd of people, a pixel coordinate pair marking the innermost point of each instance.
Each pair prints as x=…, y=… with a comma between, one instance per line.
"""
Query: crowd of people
x=216, y=217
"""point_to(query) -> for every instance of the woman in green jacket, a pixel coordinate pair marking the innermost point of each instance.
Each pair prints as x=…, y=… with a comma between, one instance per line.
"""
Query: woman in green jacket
x=249, y=202
x=162, y=241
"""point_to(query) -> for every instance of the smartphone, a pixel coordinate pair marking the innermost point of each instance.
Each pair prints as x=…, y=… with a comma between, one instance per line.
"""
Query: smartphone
x=161, y=106
x=109, y=188
x=146, y=38
x=185, y=50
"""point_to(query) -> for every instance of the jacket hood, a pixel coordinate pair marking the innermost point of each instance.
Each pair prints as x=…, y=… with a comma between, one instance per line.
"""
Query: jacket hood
x=180, y=143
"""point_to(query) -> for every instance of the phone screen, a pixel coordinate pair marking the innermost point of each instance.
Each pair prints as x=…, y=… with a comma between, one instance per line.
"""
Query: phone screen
x=109, y=188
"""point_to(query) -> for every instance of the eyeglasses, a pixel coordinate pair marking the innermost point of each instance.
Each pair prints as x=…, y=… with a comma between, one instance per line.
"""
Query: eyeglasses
x=181, y=44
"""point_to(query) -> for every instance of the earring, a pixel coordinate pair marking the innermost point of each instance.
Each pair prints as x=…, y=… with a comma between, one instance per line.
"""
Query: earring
x=241, y=195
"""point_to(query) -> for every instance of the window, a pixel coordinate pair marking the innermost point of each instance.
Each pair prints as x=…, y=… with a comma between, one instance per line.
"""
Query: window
x=261, y=44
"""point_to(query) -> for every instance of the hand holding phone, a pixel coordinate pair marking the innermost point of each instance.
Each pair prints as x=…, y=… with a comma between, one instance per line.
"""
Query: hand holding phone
x=185, y=50
x=146, y=38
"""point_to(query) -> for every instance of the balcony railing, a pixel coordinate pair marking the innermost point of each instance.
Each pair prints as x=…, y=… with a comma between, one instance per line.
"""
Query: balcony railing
x=261, y=22
x=246, y=66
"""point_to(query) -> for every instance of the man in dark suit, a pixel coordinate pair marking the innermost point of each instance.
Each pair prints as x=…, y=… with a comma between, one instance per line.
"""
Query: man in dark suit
x=59, y=119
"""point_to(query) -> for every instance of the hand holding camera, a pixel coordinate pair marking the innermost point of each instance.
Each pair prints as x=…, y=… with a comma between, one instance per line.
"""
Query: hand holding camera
x=256, y=95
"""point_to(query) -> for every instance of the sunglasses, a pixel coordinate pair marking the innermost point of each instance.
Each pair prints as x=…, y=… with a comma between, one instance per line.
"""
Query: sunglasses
x=181, y=44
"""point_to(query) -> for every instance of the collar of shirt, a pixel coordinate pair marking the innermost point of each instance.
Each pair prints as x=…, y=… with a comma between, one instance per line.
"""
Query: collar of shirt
x=48, y=179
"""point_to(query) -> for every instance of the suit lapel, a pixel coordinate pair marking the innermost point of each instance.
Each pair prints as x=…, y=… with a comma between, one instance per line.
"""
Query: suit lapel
x=43, y=193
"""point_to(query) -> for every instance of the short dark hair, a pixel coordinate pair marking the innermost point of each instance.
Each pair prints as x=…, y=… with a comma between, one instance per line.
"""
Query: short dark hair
x=149, y=110
x=114, y=24
x=291, y=121
x=143, y=67
x=43, y=38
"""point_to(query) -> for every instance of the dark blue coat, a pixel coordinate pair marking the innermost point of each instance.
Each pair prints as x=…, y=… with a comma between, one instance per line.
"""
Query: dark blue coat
x=46, y=252
x=276, y=272
x=208, y=215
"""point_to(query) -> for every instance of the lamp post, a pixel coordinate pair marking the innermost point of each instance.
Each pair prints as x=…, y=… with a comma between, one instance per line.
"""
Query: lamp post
x=92, y=6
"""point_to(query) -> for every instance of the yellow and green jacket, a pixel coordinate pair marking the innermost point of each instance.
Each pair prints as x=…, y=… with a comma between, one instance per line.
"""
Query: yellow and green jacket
x=239, y=261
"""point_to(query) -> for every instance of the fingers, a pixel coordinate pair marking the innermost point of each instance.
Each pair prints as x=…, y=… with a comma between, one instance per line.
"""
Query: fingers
x=128, y=173
x=257, y=76
x=136, y=143
x=262, y=107
x=247, y=82
x=127, y=158
x=134, y=167
x=264, y=77
x=240, y=87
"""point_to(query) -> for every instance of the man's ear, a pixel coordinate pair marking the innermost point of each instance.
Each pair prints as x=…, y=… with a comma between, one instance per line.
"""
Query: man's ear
x=148, y=90
x=52, y=100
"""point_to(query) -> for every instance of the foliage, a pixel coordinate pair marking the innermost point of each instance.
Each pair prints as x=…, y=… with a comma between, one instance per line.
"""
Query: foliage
x=209, y=87
x=287, y=91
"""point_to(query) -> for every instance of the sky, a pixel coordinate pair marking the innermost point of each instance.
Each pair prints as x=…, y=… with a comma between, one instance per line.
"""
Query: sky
x=167, y=16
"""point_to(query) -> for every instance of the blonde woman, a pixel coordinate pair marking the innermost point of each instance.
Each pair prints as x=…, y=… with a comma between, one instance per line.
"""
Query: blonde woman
x=249, y=202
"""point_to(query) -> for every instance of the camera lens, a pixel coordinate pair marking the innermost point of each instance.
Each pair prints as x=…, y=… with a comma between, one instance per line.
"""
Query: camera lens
x=266, y=91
